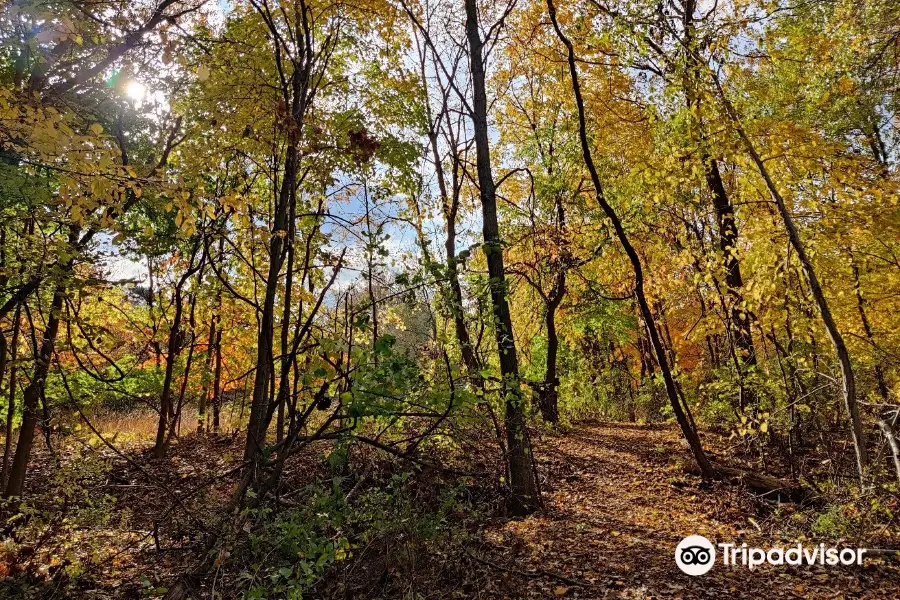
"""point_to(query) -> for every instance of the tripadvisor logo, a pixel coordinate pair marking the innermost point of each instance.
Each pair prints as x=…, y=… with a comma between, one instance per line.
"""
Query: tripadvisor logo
x=696, y=555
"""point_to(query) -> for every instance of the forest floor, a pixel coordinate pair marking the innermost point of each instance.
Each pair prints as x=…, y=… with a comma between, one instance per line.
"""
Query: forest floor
x=617, y=504
x=617, y=500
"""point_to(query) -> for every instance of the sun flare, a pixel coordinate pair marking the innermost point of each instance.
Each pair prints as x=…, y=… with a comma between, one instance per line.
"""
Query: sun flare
x=136, y=90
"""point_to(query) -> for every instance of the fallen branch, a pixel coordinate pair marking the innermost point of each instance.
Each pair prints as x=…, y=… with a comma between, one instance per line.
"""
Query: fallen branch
x=767, y=486
x=891, y=438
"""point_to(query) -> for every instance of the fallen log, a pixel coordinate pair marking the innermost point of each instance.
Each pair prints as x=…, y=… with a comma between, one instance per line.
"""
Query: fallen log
x=771, y=488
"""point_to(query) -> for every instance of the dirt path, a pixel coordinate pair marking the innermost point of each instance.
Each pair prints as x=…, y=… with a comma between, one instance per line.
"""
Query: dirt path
x=617, y=506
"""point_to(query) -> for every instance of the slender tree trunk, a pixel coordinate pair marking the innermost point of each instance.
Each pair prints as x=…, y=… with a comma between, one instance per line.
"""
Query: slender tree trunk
x=217, y=383
x=867, y=329
x=549, y=399
x=259, y=406
x=889, y=435
x=834, y=334
x=204, y=396
x=166, y=408
x=33, y=393
x=4, y=359
x=450, y=205
x=450, y=208
x=296, y=93
x=216, y=348
x=690, y=434
x=739, y=320
x=549, y=402
x=31, y=397
x=286, y=354
x=523, y=484
x=185, y=379
x=11, y=397
x=157, y=349
x=469, y=358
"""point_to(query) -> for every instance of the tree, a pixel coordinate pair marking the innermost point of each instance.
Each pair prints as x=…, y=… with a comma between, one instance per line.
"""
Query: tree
x=523, y=485
x=689, y=432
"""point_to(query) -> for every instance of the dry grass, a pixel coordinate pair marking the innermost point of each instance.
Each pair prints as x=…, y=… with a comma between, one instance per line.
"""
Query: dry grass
x=139, y=427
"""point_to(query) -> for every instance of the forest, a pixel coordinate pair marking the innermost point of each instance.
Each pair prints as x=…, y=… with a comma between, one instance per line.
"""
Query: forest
x=448, y=298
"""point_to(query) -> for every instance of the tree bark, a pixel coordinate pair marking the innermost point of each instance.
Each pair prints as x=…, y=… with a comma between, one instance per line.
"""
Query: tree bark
x=157, y=349
x=259, y=406
x=286, y=355
x=523, y=484
x=295, y=96
x=167, y=414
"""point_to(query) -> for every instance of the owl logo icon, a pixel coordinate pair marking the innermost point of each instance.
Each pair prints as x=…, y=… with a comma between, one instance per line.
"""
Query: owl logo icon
x=695, y=555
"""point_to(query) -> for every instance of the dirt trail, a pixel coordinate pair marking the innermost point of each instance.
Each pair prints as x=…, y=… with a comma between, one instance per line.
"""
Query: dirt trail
x=616, y=507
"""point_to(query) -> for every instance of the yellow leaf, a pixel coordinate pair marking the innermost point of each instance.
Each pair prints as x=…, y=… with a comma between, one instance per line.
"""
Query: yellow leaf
x=561, y=591
x=96, y=128
x=203, y=73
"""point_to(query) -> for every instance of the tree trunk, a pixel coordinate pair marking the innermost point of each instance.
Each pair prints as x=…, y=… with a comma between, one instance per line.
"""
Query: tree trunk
x=738, y=318
x=523, y=484
x=157, y=349
x=450, y=208
x=549, y=399
x=185, y=379
x=889, y=435
x=31, y=397
x=201, y=409
x=690, y=434
x=837, y=340
x=867, y=328
x=259, y=406
x=286, y=355
x=166, y=408
x=296, y=94
x=217, y=383
x=11, y=397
